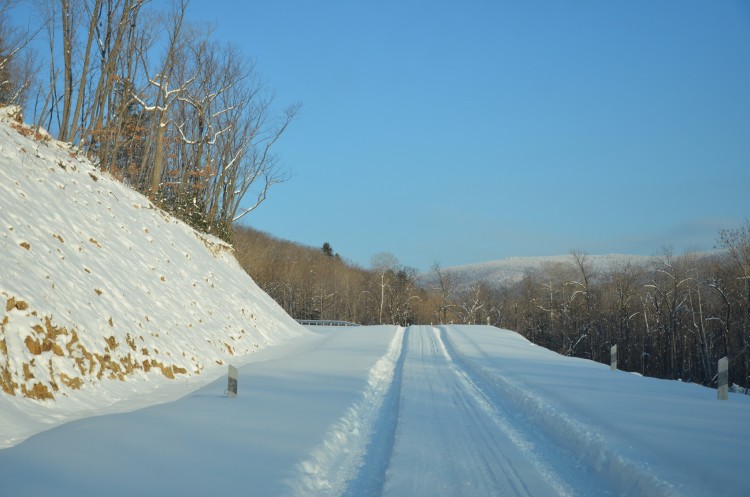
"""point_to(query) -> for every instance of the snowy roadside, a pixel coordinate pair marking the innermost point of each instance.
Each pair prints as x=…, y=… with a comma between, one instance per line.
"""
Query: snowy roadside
x=458, y=410
x=647, y=436
x=338, y=458
x=290, y=397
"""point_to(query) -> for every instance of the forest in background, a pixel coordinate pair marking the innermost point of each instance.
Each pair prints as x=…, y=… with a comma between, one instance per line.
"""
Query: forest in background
x=673, y=318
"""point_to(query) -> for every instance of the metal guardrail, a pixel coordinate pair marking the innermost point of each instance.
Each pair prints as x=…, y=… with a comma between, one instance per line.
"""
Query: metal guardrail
x=324, y=322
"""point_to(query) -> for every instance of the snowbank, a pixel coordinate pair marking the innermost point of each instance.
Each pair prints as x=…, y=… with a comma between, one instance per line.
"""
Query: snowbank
x=99, y=289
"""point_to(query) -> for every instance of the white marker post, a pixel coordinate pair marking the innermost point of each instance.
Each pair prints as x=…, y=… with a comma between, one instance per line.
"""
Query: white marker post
x=723, y=393
x=232, y=385
x=613, y=358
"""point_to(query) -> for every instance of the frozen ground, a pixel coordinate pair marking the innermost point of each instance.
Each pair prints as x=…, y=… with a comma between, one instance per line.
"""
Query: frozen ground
x=421, y=411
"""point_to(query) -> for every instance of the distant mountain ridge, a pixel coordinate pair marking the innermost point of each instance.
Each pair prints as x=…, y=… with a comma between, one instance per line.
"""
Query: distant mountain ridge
x=512, y=269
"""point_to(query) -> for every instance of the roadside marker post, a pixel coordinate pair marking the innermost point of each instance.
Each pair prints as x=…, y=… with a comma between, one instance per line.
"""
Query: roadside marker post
x=232, y=382
x=613, y=358
x=723, y=392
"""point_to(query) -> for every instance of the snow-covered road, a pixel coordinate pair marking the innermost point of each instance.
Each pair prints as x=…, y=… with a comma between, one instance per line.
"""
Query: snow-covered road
x=452, y=438
x=421, y=411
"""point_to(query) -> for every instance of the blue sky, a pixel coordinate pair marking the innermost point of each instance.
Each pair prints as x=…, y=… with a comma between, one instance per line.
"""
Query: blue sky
x=463, y=132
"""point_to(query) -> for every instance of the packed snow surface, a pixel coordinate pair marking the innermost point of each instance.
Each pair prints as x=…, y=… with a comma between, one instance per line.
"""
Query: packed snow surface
x=420, y=411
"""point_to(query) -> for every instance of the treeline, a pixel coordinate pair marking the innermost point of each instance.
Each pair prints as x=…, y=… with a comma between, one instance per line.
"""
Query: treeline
x=154, y=99
x=674, y=317
x=316, y=283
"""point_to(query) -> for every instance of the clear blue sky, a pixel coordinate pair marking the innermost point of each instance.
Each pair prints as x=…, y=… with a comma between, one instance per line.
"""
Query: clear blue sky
x=468, y=131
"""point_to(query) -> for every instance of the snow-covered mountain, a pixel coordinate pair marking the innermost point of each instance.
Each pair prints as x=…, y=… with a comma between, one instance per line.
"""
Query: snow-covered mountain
x=103, y=296
x=512, y=269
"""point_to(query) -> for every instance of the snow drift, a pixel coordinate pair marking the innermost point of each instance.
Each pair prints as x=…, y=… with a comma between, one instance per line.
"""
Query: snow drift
x=99, y=287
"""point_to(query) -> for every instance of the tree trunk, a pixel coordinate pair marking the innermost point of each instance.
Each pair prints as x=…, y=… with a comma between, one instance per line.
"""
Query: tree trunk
x=71, y=132
x=67, y=98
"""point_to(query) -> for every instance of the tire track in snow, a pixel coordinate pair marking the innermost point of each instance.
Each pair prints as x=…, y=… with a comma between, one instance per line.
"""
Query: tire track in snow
x=351, y=458
x=501, y=420
x=562, y=433
x=450, y=441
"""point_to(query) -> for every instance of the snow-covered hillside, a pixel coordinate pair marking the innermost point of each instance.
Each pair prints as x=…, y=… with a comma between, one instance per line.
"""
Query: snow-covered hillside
x=512, y=269
x=104, y=297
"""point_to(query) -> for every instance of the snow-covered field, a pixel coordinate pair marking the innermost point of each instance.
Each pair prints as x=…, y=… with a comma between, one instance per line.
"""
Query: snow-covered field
x=421, y=411
x=117, y=324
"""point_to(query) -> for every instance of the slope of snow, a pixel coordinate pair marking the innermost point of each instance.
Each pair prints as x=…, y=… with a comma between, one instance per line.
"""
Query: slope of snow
x=103, y=297
x=421, y=411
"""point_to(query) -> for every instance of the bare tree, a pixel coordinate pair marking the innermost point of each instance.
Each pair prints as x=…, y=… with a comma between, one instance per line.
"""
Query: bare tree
x=384, y=264
x=165, y=90
x=213, y=116
x=17, y=63
x=583, y=288
x=555, y=301
x=737, y=243
x=474, y=301
x=69, y=20
x=68, y=32
x=260, y=168
x=621, y=289
x=445, y=288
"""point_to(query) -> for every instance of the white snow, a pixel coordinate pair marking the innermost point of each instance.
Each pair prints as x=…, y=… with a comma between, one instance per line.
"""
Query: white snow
x=457, y=410
x=115, y=295
x=339, y=411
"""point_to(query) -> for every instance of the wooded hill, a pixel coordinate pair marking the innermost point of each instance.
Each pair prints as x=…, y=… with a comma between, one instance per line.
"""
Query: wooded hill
x=672, y=317
x=151, y=98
